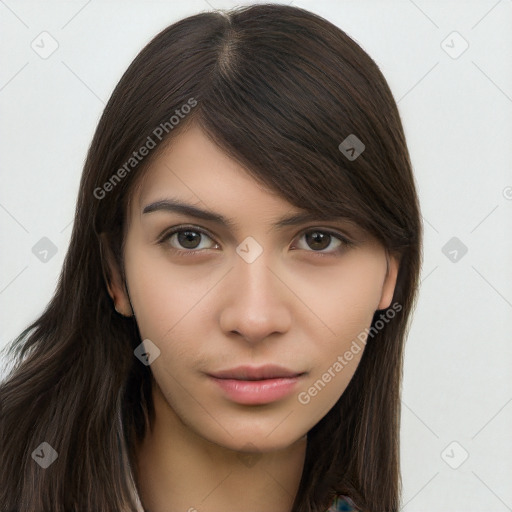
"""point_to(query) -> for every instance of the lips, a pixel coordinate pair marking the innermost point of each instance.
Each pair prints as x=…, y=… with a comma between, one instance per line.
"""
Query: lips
x=256, y=385
x=256, y=373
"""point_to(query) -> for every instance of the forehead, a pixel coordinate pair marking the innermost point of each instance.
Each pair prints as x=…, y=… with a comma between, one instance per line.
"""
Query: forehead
x=195, y=170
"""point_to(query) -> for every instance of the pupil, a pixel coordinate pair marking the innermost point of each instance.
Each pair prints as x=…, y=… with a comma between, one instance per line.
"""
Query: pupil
x=186, y=239
x=318, y=240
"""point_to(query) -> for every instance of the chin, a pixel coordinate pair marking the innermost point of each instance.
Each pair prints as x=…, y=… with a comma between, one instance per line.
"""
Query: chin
x=252, y=441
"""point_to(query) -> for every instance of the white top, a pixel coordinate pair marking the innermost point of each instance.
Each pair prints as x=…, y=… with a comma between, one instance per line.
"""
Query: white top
x=136, y=497
x=129, y=471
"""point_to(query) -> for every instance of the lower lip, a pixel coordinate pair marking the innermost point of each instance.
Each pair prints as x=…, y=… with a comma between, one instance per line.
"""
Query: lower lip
x=253, y=392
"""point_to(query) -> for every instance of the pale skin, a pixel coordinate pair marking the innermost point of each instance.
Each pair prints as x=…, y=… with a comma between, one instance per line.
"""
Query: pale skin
x=213, y=310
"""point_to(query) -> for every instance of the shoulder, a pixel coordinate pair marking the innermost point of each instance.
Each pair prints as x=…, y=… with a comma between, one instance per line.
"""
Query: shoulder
x=342, y=504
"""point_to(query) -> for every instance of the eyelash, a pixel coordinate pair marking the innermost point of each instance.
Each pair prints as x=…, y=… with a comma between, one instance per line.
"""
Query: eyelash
x=345, y=242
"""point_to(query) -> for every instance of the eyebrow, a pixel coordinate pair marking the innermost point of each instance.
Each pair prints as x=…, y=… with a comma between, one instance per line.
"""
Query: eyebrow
x=177, y=206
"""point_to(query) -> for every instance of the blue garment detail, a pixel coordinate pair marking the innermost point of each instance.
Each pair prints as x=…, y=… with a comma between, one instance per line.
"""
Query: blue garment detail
x=342, y=504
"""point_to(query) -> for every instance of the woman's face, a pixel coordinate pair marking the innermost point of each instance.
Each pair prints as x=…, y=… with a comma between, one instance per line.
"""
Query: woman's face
x=238, y=296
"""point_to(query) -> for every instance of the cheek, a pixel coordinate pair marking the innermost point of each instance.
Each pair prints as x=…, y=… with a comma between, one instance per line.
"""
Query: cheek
x=169, y=303
x=346, y=298
x=360, y=282
x=347, y=308
x=162, y=296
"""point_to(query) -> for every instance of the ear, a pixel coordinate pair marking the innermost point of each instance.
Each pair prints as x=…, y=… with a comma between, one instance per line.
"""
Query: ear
x=113, y=279
x=388, y=287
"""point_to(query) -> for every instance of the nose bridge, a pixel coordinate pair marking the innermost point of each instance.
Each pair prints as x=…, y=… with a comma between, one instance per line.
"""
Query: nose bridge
x=257, y=301
x=258, y=285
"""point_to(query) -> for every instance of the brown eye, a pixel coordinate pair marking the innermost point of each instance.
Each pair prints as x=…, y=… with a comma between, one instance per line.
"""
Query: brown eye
x=318, y=240
x=187, y=239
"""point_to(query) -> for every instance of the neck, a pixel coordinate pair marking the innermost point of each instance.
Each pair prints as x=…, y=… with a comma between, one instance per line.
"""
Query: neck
x=178, y=470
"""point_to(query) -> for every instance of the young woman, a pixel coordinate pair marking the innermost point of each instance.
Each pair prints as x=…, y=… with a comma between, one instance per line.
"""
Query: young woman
x=227, y=331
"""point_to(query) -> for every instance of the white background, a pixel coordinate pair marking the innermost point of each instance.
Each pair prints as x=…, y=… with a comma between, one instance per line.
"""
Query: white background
x=457, y=114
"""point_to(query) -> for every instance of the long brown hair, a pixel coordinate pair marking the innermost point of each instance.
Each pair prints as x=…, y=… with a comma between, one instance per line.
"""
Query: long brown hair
x=278, y=89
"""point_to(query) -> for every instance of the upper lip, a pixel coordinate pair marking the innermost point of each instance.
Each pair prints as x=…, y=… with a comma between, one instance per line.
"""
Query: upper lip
x=269, y=371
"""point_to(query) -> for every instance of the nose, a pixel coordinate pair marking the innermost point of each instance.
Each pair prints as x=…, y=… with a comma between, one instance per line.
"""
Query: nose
x=257, y=301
